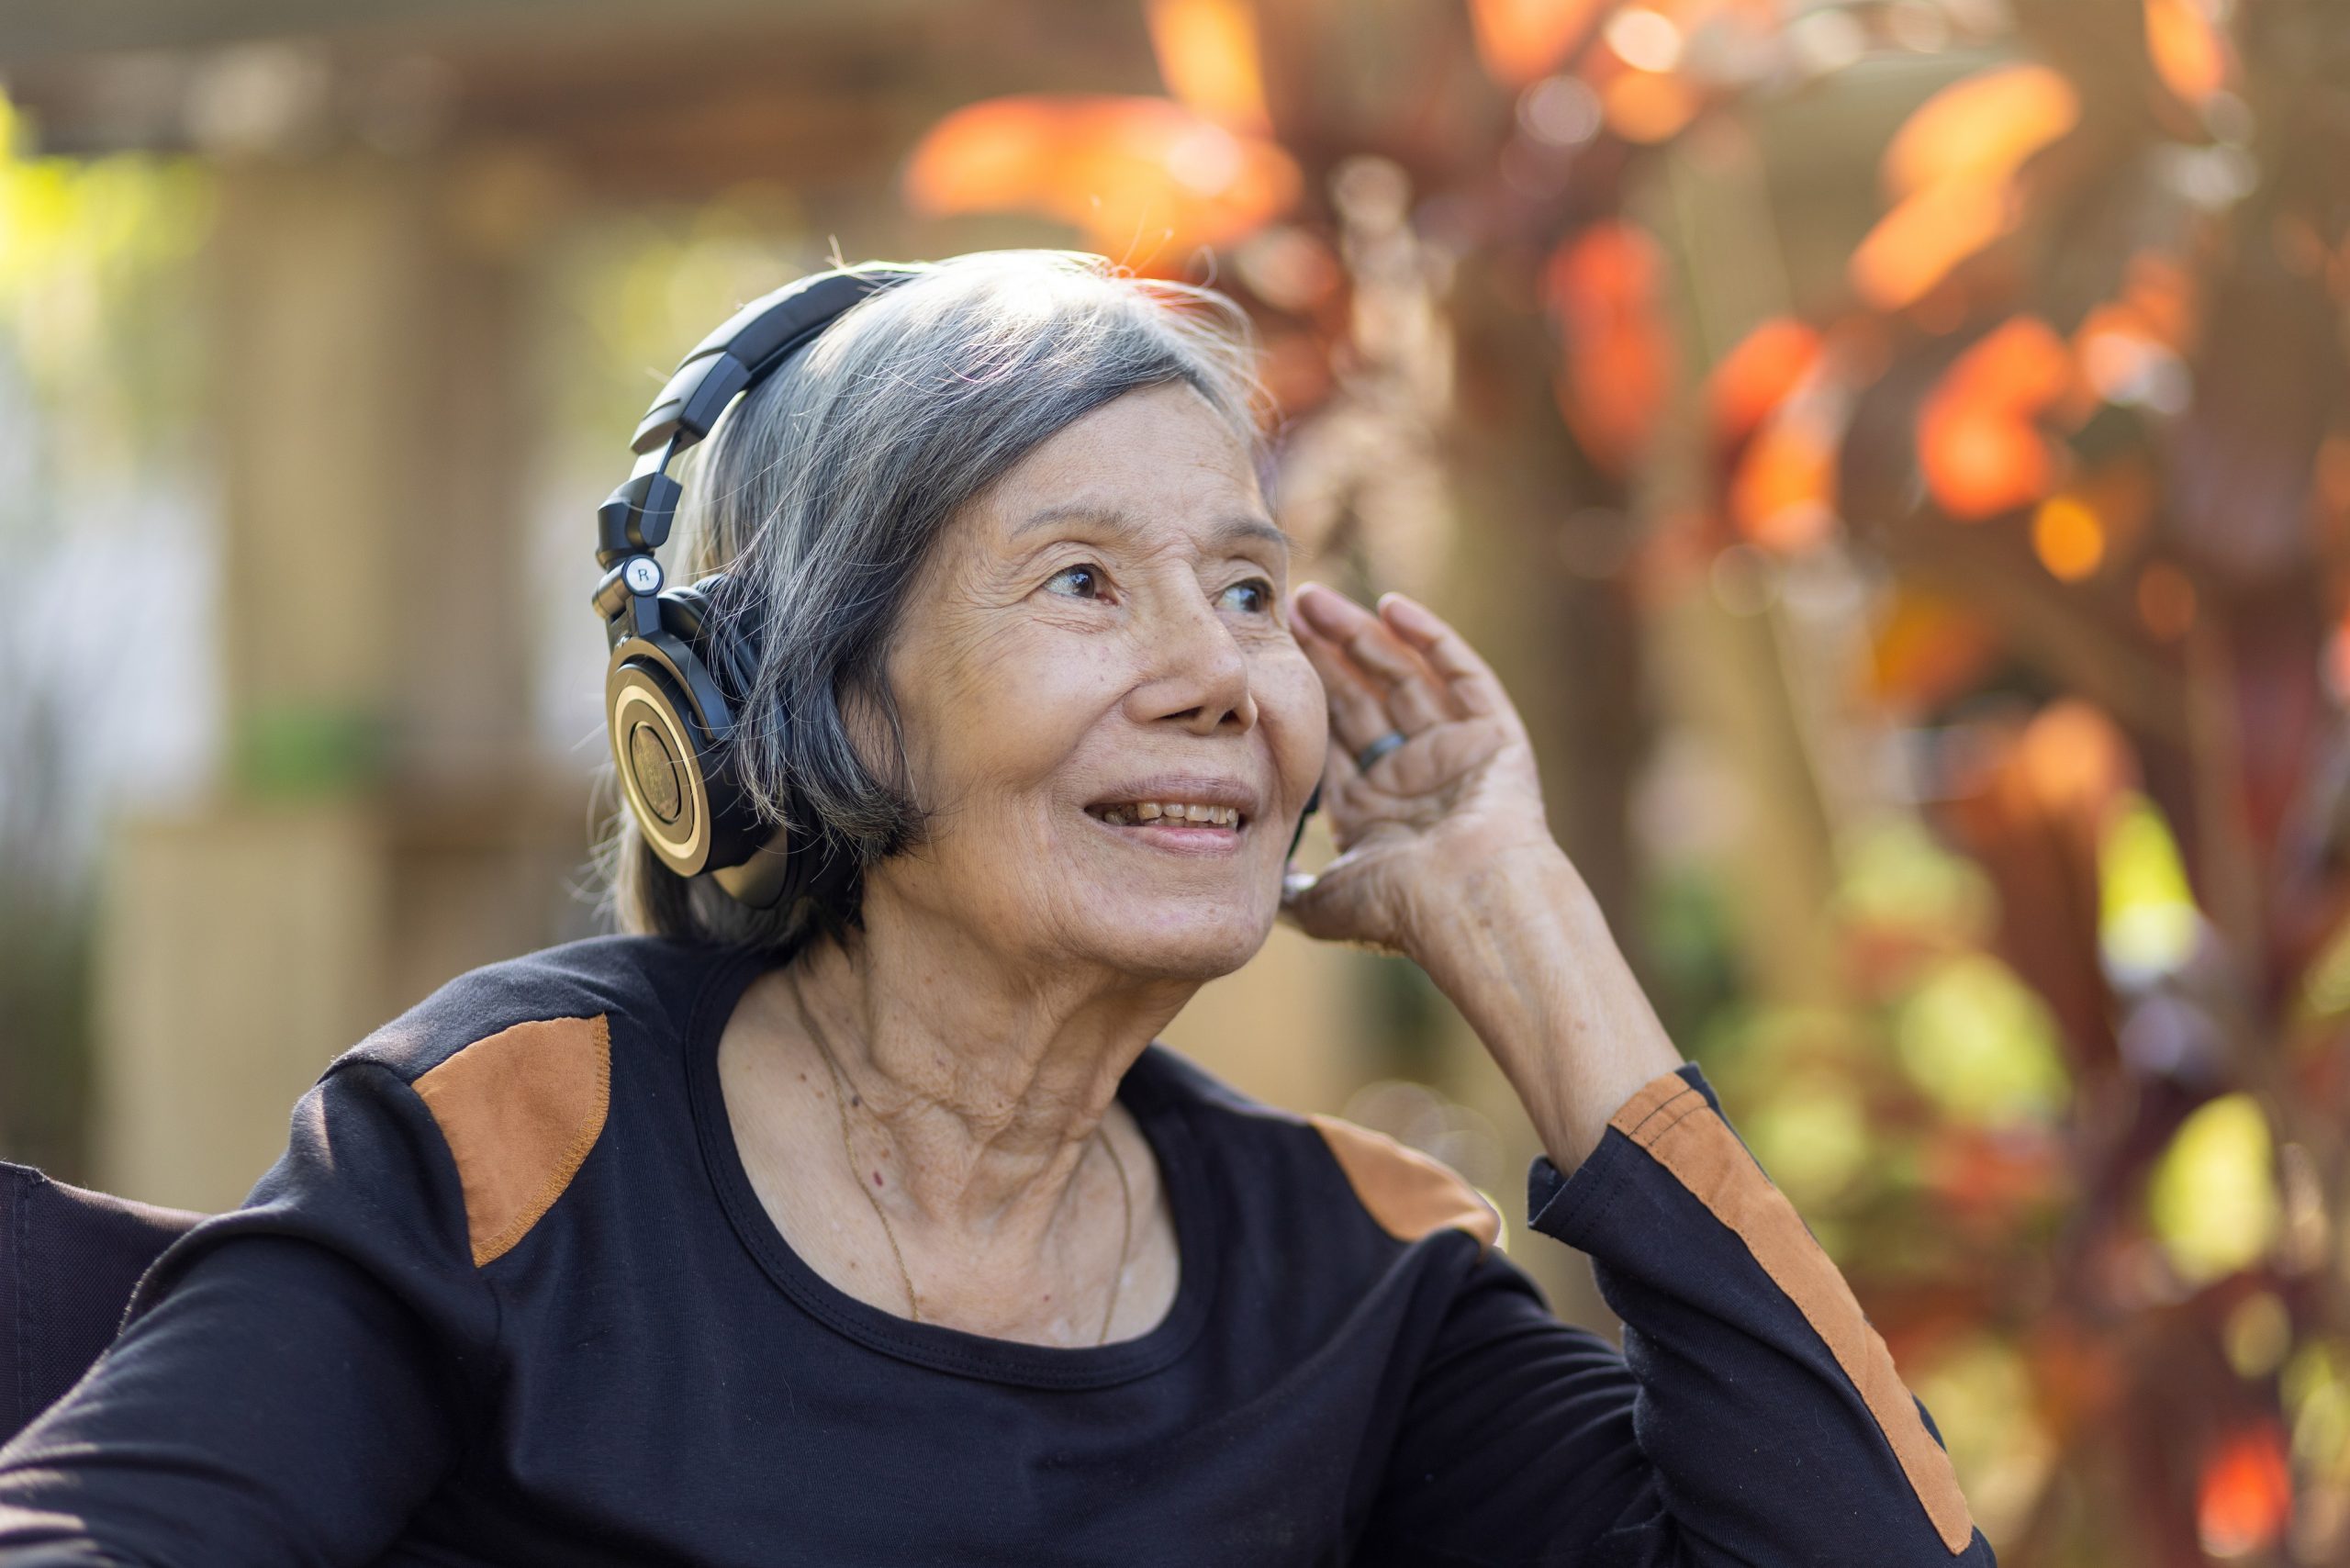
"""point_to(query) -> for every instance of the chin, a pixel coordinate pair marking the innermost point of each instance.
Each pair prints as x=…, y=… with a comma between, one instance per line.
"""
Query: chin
x=1161, y=947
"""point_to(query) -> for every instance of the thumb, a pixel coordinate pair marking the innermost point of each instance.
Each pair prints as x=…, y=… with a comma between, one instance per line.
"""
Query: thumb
x=1305, y=904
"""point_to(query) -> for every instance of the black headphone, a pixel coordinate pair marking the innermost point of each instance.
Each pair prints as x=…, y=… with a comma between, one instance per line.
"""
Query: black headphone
x=680, y=664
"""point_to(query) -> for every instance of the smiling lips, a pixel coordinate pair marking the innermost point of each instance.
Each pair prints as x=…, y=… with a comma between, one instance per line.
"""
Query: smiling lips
x=1167, y=814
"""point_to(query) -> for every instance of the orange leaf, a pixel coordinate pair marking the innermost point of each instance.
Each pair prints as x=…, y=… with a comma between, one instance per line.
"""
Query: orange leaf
x=1952, y=169
x=2020, y=365
x=1927, y=649
x=1756, y=376
x=1601, y=285
x=1131, y=172
x=2068, y=536
x=1981, y=128
x=2073, y=761
x=1520, y=41
x=1915, y=246
x=1978, y=440
x=2247, y=1492
x=1648, y=107
x=1980, y=464
x=2185, y=48
x=1208, y=58
x=2124, y=342
x=1784, y=495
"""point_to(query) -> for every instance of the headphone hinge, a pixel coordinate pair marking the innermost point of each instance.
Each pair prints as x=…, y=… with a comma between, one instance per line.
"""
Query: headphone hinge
x=628, y=600
x=635, y=519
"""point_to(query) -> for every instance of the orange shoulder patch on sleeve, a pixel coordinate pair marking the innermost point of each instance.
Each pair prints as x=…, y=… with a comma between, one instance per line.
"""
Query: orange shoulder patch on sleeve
x=520, y=1110
x=1408, y=1194
x=1670, y=1119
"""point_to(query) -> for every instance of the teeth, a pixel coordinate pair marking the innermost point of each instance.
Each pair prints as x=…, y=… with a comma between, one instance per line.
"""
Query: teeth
x=1170, y=810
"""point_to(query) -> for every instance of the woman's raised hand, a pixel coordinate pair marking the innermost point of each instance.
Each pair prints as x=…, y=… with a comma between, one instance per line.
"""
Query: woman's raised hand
x=1427, y=818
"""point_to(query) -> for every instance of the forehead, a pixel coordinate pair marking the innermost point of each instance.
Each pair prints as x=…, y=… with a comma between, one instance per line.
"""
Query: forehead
x=1160, y=454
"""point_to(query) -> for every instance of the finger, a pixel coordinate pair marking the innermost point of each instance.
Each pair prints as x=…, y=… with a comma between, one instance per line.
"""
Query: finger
x=1470, y=678
x=1357, y=716
x=1411, y=694
x=1306, y=906
x=1410, y=690
x=1296, y=886
x=1362, y=708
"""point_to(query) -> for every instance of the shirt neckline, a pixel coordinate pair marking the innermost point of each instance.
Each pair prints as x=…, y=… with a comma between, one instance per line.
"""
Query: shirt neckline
x=1157, y=1113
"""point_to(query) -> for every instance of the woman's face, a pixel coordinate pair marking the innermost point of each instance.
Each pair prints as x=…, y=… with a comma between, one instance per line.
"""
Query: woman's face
x=1102, y=633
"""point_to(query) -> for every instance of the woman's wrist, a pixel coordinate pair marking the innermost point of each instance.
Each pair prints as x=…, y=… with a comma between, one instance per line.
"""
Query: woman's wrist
x=1519, y=945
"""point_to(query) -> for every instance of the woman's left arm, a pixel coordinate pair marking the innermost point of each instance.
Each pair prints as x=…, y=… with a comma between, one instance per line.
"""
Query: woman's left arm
x=1755, y=1416
x=1766, y=1421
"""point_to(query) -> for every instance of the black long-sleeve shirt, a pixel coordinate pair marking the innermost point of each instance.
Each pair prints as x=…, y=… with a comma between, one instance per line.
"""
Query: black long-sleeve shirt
x=510, y=1298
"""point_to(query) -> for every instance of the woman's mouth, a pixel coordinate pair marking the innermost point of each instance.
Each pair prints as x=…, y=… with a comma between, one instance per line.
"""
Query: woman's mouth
x=1168, y=814
x=1170, y=826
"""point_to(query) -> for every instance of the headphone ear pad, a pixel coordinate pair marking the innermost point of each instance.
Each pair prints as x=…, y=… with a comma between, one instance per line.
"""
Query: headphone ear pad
x=718, y=658
x=705, y=617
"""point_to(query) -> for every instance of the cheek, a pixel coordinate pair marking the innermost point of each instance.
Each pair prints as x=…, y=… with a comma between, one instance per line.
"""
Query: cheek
x=1298, y=717
x=1003, y=717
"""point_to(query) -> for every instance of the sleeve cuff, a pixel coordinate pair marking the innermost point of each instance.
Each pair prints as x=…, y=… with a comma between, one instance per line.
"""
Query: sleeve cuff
x=1555, y=1199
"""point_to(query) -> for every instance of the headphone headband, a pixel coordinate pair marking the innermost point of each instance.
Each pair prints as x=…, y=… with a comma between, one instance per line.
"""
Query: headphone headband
x=740, y=355
x=747, y=348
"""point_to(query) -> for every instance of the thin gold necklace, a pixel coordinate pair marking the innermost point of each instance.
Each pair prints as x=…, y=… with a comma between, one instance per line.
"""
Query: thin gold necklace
x=914, y=1305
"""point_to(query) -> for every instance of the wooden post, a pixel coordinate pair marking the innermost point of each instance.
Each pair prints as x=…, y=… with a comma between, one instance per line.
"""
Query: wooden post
x=366, y=421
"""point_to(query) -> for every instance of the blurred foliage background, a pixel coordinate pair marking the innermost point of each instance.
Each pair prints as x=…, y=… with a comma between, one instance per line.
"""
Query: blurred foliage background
x=1896, y=450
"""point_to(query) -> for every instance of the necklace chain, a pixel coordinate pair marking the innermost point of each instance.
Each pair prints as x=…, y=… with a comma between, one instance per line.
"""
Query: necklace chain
x=913, y=1305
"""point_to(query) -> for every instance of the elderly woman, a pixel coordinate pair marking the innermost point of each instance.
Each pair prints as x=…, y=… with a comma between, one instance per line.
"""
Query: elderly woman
x=875, y=1227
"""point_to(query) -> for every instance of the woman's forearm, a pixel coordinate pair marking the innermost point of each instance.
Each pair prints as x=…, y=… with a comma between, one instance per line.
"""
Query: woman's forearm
x=1524, y=951
x=1767, y=1421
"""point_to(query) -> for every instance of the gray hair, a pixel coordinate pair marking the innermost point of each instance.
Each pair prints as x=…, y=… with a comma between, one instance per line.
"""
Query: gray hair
x=825, y=490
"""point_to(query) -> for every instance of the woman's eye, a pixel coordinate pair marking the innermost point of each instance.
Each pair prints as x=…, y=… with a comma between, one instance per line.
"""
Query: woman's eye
x=1259, y=591
x=1085, y=573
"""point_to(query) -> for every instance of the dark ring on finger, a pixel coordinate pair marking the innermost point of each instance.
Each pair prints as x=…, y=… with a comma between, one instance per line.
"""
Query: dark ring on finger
x=1377, y=749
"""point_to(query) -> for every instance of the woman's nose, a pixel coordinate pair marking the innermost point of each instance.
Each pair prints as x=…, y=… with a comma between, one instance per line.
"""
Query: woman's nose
x=1199, y=674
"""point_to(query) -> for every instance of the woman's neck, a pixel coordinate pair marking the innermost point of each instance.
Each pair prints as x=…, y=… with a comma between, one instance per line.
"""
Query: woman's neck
x=978, y=1083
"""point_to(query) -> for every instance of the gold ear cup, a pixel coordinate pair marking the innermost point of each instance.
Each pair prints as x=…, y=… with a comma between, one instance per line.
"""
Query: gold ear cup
x=660, y=773
x=655, y=772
